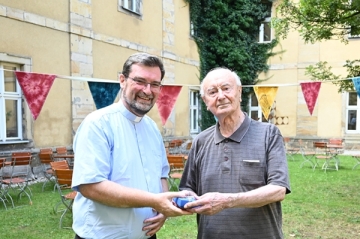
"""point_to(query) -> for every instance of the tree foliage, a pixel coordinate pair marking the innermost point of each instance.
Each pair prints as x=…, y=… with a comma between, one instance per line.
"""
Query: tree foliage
x=318, y=20
x=226, y=32
x=322, y=72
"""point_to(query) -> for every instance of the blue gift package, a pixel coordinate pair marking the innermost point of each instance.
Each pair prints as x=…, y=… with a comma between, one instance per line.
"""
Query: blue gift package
x=180, y=202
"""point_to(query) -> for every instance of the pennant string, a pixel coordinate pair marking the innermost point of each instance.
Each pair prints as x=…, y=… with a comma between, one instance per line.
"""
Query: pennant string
x=79, y=78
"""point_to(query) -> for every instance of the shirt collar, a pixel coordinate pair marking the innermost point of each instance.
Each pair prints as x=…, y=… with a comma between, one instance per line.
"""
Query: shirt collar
x=127, y=114
x=237, y=135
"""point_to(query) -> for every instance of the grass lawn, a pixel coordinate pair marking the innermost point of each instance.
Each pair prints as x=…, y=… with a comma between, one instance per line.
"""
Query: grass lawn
x=321, y=205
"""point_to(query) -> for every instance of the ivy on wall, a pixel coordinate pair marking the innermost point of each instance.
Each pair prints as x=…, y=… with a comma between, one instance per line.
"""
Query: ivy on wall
x=226, y=33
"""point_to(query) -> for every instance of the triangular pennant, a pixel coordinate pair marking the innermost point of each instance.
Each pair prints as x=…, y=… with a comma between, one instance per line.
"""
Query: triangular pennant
x=103, y=93
x=356, y=81
x=310, y=91
x=166, y=101
x=266, y=97
x=35, y=87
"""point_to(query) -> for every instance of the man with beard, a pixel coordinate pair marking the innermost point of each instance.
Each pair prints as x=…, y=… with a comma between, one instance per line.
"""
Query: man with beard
x=120, y=166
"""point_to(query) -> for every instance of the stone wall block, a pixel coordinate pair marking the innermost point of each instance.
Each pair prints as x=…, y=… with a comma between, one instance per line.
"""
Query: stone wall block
x=61, y=26
x=35, y=19
x=81, y=21
x=2, y=11
x=81, y=8
x=15, y=13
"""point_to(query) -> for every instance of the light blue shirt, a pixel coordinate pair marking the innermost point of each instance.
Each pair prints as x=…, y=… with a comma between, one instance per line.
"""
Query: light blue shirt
x=114, y=144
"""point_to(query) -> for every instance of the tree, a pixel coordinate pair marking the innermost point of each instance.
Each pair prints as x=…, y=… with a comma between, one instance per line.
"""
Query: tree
x=318, y=20
x=226, y=32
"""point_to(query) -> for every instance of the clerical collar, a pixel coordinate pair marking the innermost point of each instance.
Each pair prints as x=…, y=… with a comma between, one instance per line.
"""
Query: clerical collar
x=127, y=114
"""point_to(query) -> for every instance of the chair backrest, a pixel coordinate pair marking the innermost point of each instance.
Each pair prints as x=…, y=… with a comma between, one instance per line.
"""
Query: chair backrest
x=46, y=150
x=2, y=162
x=21, y=158
x=59, y=165
x=64, y=176
x=175, y=143
x=320, y=144
x=335, y=141
x=46, y=158
x=61, y=150
x=188, y=145
x=176, y=161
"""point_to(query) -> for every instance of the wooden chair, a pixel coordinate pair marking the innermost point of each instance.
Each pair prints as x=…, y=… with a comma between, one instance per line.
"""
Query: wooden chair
x=46, y=151
x=20, y=172
x=63, y=185
x=46, y=157
x=188, y=145
x=4, y=189
x=177, y=164
x=63, y=164
x=61, y=150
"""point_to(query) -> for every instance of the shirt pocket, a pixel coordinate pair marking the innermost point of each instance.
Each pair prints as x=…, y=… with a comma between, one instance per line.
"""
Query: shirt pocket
x=252, y=173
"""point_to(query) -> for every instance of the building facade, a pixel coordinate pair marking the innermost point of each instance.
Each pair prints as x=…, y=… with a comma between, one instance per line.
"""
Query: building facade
x=91, y=39
x=335, y=114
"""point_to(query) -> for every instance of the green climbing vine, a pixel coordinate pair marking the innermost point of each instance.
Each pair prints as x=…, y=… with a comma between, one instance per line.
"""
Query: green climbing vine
x=226, y=33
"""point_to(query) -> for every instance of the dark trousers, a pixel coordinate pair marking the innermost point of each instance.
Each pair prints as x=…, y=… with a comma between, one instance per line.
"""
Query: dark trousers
x=77, y=237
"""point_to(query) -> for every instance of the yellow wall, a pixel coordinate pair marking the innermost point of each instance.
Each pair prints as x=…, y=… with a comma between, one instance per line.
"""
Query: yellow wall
x=288, y=67
x=76, y=38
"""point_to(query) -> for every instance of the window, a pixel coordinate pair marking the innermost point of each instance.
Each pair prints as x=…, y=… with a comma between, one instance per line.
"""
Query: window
x=354, y=32
x=194, y=111
x=255, y=110
x=10, y=103
x=192, y=30
x=15, y=119
x=132, y=5
x=352, y=112
x=265, y=27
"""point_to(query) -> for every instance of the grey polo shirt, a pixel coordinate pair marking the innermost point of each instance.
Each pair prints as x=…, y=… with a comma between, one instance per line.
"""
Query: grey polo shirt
x=252, y=157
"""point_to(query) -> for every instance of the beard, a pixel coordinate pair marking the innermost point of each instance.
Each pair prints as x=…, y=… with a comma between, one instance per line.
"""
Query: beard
x=136, y=107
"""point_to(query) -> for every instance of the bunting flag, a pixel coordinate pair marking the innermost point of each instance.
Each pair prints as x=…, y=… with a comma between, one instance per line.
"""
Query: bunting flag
x=266, y=97
x=35, y=87
x=310, y=91
x=103, y=93
x=166, y=101
x=356, y=81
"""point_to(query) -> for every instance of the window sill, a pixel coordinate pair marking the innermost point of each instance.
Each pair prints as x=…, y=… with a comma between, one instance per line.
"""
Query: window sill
x=15, y=142
x=131, y=11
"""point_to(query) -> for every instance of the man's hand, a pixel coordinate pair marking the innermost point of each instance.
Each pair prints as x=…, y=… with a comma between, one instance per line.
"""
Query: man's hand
x=154, y=224
x=208, y=204
x=163, y=204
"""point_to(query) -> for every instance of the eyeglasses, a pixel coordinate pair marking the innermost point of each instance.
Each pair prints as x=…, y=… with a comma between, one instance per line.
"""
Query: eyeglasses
x=154, y=86
x=214, y=91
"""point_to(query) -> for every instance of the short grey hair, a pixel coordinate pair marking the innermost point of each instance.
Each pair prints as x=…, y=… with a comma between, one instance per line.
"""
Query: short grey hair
x=233, y=73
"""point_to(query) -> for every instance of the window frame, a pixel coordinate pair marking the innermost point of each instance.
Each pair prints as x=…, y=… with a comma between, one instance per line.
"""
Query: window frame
x=262, y=32
x=10, y=96
x=124, y=5
x=352, y=108
x=194, y=110
x=255, y=108
x=266, y=21
x=23, y=113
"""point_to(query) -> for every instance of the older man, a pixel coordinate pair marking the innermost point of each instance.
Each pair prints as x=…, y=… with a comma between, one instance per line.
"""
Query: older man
x=237, y=169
